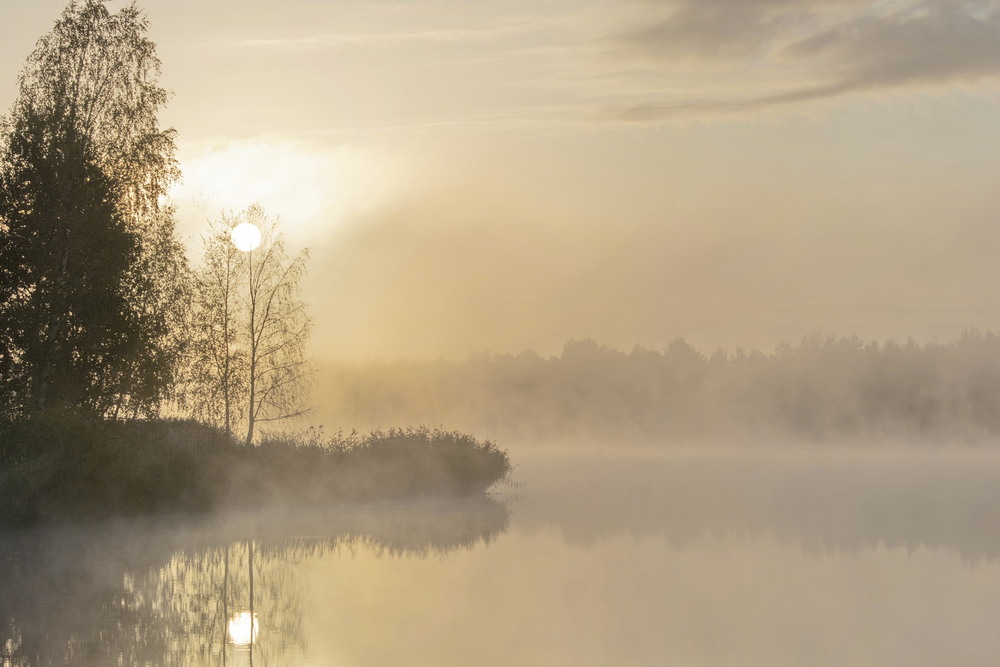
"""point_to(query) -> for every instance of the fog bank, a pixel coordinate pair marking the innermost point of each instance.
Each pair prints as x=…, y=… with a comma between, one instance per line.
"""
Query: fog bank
x=822, y=390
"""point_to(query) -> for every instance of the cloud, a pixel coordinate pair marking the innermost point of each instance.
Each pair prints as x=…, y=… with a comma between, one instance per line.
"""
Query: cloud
x=420, y=28
x=715, y=29
x=813, y=49
x=652, y=112
x=930, y=41
x=333, y=40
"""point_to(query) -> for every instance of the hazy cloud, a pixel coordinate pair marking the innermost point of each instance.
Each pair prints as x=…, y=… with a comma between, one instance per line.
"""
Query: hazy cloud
x=332, y=40
x=649, y=112
x=477, y=265
x=933, y=40
x=716, y=28
x=823, y=48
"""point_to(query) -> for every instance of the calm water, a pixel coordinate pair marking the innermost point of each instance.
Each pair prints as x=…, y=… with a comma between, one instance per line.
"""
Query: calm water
x=791, y=559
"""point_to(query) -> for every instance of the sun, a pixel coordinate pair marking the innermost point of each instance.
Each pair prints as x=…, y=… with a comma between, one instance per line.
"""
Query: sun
x=245, y=236
x=312, y=188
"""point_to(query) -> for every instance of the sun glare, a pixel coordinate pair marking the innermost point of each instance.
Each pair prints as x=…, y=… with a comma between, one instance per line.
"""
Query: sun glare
x=243, y=628
x=310, y=188
x=245, y=236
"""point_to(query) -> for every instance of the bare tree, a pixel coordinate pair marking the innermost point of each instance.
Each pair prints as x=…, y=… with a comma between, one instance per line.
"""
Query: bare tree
x=251, y=327
x=216, y=374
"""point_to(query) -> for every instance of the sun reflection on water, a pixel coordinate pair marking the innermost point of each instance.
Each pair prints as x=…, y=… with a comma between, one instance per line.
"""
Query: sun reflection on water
x=243, y=629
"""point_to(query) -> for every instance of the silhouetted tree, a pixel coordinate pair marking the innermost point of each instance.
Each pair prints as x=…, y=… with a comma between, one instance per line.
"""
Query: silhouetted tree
x=65, y=253
x=251, y=327
x=93, y=279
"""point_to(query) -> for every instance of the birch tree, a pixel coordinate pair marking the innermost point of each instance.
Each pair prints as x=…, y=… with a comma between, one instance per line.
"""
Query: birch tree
x=93, y=290
x=216, y=377
x=251, y=329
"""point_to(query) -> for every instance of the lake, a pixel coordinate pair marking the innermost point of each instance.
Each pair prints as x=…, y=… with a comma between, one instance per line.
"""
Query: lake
x=748, y=558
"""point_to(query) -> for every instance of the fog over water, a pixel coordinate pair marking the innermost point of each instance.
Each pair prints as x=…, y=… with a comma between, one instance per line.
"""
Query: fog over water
x=885, y=557
x=822, y=390
x=720, y=275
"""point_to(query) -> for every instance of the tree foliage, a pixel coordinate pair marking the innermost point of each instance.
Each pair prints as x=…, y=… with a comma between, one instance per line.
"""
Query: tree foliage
x=93, y=279
x=65, y=253
x=98, y=73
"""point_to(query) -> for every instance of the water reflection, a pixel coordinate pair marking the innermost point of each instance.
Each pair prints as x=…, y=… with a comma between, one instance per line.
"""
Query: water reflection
x=820, y=501
x=742, y=560
x=243, y=627
x=224, y=591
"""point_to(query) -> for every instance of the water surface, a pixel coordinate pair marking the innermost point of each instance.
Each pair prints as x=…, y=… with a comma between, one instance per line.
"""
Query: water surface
x=751, y=559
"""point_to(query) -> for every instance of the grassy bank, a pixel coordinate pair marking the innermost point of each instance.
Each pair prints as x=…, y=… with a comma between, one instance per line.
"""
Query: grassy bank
x=62, y=466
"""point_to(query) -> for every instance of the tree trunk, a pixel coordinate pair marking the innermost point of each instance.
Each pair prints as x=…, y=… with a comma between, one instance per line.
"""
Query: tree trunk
x=251, y=413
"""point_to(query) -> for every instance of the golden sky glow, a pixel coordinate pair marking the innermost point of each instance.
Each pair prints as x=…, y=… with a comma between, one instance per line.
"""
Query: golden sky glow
x=510, y=175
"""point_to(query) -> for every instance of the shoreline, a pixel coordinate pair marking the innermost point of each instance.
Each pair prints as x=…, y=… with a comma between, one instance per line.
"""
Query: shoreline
x=60, y=466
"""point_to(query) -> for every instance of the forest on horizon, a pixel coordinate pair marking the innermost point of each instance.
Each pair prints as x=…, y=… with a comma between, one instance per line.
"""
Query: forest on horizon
x=825, y=389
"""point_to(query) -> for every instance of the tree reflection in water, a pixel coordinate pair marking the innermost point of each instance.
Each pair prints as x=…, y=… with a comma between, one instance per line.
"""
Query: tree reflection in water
x=179, y=591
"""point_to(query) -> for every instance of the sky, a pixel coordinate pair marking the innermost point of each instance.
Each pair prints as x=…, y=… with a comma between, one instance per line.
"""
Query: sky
x=502, y=176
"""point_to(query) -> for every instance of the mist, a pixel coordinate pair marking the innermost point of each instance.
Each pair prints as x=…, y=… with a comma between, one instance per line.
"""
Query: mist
x=758, y=255
x=639, y=333
x=822, y=391
x=750, y=558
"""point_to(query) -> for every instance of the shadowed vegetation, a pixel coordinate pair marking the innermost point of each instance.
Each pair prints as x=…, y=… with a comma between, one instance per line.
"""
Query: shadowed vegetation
x=60, y=466
x=104, y=325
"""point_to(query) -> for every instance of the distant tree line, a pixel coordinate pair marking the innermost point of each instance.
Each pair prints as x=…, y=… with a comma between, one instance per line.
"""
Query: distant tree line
x=100, y=312
x=823, y=389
